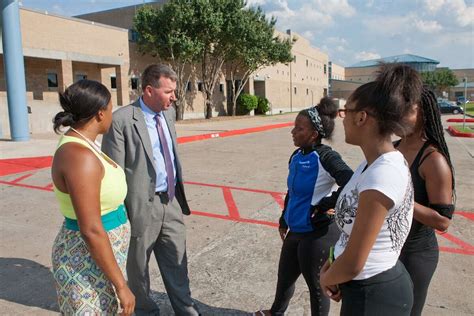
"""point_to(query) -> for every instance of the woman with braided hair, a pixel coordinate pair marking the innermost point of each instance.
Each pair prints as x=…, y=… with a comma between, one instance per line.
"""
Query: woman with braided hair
x=306, y=225
x=433, y=180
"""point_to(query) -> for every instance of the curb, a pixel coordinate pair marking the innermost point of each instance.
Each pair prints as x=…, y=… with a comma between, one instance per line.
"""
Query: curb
x=188, y=139
x=454, y=132
x=458, y=120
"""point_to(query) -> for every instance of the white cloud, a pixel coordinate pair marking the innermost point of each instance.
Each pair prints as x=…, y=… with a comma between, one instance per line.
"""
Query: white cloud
x=335, y=7
x=433, y=6
x=366, y=55
x=256, y=2
x=301, y=20
x=336, y=40
x=388, y=25
x=451, y=10
x=427, y=26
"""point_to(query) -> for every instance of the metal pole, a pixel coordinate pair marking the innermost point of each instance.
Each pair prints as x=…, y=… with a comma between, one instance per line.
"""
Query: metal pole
x=465, y=102
x=291, y=88
x=14, y=71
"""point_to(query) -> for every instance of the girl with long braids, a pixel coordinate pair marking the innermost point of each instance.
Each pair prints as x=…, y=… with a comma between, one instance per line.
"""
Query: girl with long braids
x=374, y=211
x=433, y=180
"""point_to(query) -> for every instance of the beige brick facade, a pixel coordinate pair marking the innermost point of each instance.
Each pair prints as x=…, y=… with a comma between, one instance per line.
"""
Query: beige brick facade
x=68, y=49
x=99, y=46
x=360, y=74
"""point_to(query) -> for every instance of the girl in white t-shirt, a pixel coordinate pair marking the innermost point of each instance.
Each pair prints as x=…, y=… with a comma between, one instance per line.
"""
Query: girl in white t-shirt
x=375, y=210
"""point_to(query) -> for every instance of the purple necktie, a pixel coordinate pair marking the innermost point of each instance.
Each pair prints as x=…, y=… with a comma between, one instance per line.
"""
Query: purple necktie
x=166, y=154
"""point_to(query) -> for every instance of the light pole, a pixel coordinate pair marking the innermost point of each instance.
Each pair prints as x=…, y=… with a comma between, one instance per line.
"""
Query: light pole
x=465, y=102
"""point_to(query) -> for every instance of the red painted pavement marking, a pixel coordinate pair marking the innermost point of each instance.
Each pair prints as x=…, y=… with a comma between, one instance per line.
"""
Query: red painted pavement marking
x=467, y=215
x=22, y=178
x=18, y=165
x=230, y=202
x=27, y=186
x=240, y=219
x=278, y=198
x=25, y=164
x=465, y=249
x=188, y=139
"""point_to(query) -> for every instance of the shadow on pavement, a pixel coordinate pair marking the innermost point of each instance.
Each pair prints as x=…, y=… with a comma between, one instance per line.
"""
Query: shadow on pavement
x=165, y=307
x=28, y=283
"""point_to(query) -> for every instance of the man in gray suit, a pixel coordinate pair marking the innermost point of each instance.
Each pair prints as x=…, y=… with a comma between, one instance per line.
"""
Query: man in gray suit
x=142, y=140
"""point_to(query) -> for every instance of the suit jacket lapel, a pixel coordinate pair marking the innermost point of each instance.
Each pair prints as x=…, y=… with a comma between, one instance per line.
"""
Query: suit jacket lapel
x=142, y=130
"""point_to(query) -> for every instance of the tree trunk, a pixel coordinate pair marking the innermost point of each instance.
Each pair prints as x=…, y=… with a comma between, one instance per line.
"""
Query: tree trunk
x=208, y=109
x=179, y=110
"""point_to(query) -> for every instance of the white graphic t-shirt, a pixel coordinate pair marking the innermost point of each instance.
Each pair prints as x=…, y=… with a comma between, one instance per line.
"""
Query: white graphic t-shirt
x=390, y=175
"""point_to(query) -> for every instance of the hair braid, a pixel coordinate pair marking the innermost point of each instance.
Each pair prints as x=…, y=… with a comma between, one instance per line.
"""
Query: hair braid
x=433, y=127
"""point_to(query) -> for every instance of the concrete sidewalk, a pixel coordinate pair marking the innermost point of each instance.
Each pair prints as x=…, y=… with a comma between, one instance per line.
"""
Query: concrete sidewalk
x=235, y=187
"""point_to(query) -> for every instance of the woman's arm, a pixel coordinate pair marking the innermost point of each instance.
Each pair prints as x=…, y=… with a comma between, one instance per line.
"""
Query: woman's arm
x=283, y=227
x=371, y=213
x=83, y=172
x=438, y=180
x=339, y=170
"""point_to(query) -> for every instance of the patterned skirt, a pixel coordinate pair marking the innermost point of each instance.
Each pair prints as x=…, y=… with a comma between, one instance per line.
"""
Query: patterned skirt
x=82, y=287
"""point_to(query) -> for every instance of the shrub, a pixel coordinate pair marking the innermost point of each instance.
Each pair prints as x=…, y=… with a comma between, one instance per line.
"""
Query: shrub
x=263, y=105
x=246, y=103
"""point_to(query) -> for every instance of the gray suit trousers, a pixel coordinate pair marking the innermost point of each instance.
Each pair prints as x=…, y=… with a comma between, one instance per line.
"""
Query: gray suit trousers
x=165, y=236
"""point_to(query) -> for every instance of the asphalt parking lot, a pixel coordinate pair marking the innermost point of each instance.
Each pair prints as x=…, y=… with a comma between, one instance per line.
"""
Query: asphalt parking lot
x=235, y=181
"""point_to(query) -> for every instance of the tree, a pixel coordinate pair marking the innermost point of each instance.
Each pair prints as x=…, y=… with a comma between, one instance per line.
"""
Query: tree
x=164, y=32
x=214, y=24
x=440, y=79
x=254, y=47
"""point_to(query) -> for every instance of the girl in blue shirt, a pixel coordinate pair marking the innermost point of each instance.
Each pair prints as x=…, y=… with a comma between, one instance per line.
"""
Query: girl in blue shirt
x=306, y=227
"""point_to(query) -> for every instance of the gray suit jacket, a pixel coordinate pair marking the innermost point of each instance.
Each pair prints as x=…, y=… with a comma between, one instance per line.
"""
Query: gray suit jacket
x=128, y=144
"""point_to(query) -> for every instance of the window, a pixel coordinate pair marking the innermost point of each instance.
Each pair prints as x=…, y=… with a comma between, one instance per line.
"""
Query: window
x=200, y=86
x=221, y=87
x=306, y=63
x=52, y=80
x=80, y=77
x=113, y=82
x=294, y=58
x=134, y=83
x=188, y=86
x=324, y=68
x=307, y=91
x=132, y=36
x=295, y=90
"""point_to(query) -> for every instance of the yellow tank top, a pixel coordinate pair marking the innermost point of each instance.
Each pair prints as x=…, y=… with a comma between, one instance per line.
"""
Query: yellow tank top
x=113, y=188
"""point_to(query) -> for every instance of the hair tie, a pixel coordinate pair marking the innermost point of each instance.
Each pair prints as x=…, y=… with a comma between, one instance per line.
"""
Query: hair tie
x=316, y=120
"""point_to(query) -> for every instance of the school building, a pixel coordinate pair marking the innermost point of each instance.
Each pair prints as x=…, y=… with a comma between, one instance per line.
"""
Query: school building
x=101, y=46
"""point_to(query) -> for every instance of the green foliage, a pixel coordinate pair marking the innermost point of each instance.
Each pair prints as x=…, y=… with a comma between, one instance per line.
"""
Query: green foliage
x=255, y=46
x=440, y=79
x=164, y=33
x=263, y=105
x=209, y=33
x=246, y=103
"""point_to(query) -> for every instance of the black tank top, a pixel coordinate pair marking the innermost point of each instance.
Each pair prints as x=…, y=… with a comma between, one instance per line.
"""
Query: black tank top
x=421, y=237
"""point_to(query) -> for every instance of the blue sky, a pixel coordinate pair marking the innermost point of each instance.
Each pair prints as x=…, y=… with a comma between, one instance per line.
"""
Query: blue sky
x=351, y=31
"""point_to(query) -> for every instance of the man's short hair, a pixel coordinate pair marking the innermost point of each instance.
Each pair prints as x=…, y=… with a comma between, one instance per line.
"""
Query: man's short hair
x=152, y=74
